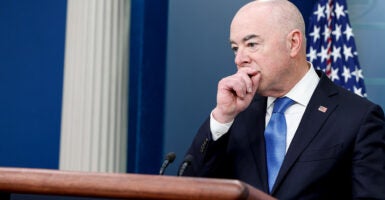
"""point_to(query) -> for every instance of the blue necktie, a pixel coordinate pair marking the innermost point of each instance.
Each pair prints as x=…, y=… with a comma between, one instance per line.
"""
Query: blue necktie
x=275, y=137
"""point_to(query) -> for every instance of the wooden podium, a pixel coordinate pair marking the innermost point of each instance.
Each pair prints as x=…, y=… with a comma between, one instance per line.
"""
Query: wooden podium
x=121, y=186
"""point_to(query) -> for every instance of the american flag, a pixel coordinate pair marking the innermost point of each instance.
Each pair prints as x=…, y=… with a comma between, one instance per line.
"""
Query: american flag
x=331, y=45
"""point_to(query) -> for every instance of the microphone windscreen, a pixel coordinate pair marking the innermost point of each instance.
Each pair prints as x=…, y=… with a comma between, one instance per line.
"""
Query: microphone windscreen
x=171, y=157
x=188, y=158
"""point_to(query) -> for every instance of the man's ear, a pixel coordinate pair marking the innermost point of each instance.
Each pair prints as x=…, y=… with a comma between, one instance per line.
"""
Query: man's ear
x=295, y=40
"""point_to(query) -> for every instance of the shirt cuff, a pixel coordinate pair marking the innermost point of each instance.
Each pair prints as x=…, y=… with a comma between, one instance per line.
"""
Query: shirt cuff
x=218, y=129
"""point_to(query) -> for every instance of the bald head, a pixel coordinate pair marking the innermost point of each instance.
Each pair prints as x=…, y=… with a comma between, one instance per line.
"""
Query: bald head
x=282, y=14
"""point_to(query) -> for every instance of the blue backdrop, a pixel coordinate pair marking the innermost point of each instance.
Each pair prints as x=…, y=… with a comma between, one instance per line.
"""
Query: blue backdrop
x=31, y=74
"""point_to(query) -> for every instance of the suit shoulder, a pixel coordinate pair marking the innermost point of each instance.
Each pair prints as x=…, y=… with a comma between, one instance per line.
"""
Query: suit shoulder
x=353, y=98
x=355, y=102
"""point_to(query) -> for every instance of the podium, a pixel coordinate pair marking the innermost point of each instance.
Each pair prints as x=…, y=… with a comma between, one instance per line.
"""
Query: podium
x=121, y=186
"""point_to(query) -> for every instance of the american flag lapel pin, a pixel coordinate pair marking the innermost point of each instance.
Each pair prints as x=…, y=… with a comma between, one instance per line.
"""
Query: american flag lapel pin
x=322, y=109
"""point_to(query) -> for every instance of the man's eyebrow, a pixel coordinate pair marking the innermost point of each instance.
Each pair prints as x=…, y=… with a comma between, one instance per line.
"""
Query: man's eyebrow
x=249, y=37
x=246, y=38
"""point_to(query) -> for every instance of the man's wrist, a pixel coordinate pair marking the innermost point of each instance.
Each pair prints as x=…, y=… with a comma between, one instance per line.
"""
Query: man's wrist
x=223, y=119
x=217, y=128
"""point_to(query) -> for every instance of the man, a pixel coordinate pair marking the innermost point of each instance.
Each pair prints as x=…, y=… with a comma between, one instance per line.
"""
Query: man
x=333, y=141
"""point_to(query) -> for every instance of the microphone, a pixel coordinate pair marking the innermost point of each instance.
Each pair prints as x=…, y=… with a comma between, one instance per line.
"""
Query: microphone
x=170, y=157
x=186, y=162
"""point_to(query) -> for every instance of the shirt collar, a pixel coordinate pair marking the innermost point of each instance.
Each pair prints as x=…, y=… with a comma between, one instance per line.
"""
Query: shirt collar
x=303, y=90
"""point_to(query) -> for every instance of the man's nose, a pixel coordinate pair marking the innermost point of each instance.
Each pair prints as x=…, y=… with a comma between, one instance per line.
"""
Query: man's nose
x=242, y=57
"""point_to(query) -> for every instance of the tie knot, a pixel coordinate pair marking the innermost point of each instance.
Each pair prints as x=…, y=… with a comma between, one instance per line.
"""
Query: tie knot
x=281, y=104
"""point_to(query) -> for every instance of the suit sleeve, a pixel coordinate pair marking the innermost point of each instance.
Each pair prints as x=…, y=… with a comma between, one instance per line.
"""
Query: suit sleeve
x=369, y=156
x=209, y=156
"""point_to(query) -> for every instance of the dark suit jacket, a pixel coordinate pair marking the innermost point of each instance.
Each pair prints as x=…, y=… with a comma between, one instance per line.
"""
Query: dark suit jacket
x=337, y=154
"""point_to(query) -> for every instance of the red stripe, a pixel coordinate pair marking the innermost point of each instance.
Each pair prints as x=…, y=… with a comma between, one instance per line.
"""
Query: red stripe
x=329, y=40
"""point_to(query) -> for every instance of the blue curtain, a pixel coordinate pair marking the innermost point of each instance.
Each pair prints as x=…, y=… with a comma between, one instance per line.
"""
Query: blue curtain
x=146, y=86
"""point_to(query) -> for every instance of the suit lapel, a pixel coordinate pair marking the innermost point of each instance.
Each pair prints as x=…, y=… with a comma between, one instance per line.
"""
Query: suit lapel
x=320, y=106
x=257, y=114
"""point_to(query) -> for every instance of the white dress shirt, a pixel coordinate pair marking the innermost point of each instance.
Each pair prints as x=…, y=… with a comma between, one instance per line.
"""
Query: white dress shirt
x=300, y=94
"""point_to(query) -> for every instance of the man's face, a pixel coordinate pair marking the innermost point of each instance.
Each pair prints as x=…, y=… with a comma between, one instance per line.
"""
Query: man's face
x=258, y=43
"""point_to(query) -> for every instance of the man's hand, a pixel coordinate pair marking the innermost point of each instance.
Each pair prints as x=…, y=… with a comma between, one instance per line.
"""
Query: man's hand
x=235, y=94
